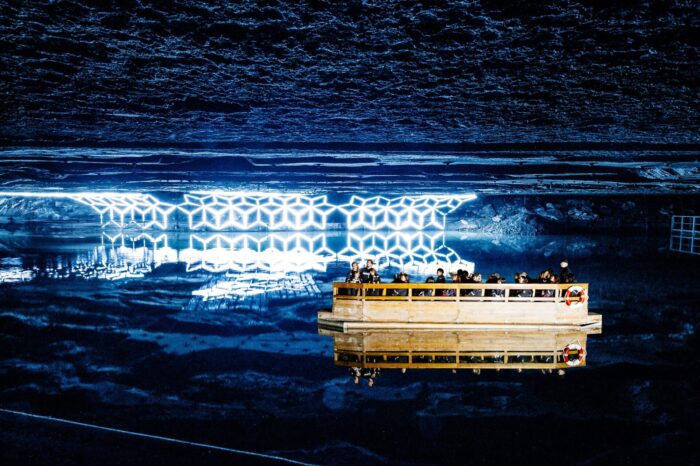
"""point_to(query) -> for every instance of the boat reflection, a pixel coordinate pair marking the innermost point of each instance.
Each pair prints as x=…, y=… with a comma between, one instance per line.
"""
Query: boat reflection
x=366, y=352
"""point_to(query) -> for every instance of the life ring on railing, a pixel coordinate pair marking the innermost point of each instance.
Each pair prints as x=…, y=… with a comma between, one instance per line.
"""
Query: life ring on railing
x=579, y=291
x=574, y=354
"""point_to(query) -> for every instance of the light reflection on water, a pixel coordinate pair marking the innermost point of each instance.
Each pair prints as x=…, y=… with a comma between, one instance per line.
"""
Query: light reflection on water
x=122, y=256
x=366, y=352
x=219, y=326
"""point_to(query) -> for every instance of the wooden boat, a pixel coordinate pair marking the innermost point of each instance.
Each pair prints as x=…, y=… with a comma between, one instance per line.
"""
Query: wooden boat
x=460, y=349
x=457, y=305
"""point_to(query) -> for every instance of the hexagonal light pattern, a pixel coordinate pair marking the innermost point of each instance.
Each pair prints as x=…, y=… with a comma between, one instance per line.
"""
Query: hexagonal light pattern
x=418, y=251
x=123, y=256
x=401, y=213
x=245, y=211
x=242, y=211
x=297, y=252
x=121, y=210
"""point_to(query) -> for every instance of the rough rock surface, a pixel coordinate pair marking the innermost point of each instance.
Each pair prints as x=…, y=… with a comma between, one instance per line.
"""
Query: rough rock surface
x=534, y=215
x=485, y=71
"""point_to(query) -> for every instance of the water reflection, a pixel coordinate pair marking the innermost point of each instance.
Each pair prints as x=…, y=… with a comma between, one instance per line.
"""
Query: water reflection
x=368, y=352
x=133, y=256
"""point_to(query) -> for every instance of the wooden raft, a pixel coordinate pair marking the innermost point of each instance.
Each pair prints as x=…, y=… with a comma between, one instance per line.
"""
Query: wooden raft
x=457, y=305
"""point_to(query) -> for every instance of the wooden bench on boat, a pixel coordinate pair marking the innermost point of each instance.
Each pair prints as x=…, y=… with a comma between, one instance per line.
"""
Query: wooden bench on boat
x=445, y=305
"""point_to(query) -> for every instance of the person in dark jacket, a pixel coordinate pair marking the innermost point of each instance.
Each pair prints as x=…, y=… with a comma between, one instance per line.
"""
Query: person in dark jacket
x=375, y=279
x=364, y=273
x=495, y=278
x=440, y=278
x=476, y=278
x=522, y=293
x=565, y=274
x=400, y=278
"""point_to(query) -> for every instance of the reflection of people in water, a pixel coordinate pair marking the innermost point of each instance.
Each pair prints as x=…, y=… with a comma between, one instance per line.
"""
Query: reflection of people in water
x=355, y=373
x=369, y=374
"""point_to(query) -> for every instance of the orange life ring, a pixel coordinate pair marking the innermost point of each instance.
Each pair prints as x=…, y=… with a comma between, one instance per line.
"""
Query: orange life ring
x=581, y=293
x=574, y=354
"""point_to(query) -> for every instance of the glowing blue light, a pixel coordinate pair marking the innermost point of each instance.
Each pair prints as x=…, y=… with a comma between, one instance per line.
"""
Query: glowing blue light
x=245, y=285
x=242, y=211
x=121, y=210
x=297, y=252
x=415, y=252
x=248, y=211
x=122, y=256
x=400, y=213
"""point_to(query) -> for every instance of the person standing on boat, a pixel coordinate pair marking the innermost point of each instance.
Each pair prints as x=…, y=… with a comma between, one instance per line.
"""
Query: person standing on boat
x=402, y=278
x=476, y=278
x=365, y=276
x=440, y=278
x=565, y=274
x=374, y=278
x=353, y=275
x=525, y=292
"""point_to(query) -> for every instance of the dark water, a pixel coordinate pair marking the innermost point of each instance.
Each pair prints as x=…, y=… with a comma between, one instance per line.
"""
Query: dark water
x=137, y=334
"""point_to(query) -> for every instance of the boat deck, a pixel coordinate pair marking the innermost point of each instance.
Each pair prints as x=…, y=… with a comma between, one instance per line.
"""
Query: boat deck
x=358, y=306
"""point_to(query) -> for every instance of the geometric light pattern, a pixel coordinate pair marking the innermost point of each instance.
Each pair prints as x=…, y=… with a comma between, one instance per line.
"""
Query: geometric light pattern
x=296, y=252
x=418, y=252
x=123, y=256
x=400, y=213
x=121, y=210
x=245, y=211
x=685, y=234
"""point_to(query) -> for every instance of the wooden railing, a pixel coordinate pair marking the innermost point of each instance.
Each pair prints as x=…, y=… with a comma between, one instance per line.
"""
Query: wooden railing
x=451, y=359
x=477, y=292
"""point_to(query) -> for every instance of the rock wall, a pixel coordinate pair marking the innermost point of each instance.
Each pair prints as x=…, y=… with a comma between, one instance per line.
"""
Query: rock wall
x=540, y=215
x=315, y=70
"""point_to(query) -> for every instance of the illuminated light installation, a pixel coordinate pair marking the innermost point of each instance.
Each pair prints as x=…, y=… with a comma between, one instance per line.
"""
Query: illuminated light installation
x=296, y=252
x=418, y=251
x=242, y=211
x=246, y=285
x=401, y=213
x=121, y=256
x=264, y=211
x=12, y=271
x=122, y=210
x=144, y=249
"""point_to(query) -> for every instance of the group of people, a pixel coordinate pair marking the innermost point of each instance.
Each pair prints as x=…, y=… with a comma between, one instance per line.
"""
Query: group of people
x=368, y=274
